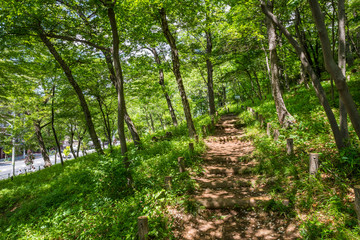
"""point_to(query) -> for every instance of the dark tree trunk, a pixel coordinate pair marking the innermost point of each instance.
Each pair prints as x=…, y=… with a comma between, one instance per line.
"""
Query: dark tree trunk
x=246, y=93
x=163, y=87
x=80, y=95
x=210, y=81
x=78, y=147
x=333, y=68
x=252, y=85
x=132, y=129
x=342, y=64
x=301, y=36
x=53, y=128
x=258, y=85
x=284, y=116
x=107, y=126
x=315, y=80
x=41, y=142
x=176, y=69
x=120, y=86
x=161, y=121
x=72, y=133
x=131, y=126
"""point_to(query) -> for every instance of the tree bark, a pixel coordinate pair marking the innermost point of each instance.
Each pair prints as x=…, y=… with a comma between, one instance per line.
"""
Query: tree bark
x=258, y=85
x=176, y=69
x=105, y=120
x=80, y=137
x=163, y=87
x=342, y=64
x=53, y=128
x=131, y=126
x=72, y=133
x=284, y=117
x=315, y=80
x=120, y=86
x=41, y=142
x=301, y=38
x=210, y=81
x=333, y=68
x=80, y=95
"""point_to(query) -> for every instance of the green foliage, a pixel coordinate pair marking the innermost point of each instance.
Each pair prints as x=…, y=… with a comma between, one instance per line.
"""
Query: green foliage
x=324, y=204
x=89, y=197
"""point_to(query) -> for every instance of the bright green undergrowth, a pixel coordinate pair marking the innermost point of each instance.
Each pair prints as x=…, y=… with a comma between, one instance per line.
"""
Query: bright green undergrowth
x=323, y=205
x=89, y=197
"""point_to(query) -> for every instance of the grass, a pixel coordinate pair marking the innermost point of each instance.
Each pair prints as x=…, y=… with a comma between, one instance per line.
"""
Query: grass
x=89, y=197
x=323, y=205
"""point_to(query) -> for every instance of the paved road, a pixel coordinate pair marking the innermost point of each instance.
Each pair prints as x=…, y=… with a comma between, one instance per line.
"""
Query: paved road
x=6, y=168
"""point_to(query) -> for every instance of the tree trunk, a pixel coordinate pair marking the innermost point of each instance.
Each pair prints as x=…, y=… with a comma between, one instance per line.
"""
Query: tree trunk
x=301, y=36
x=161, y=122
x=80, y=95
x=72, y=133
x=53, y=128
x=163, y=87
x=258, y=85
x=342, y=64
x=120, y=86
x=334, y=69
x=105, y=120
x=267, y=65
x=315, y=80
x=41, y=142
x=284, y=116
x=210, y=81
x=177, y=73
x=132, y=129
x=246, y=93
x=128, y=121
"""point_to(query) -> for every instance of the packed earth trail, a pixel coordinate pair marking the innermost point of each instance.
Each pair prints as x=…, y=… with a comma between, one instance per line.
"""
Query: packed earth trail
x=231, y=195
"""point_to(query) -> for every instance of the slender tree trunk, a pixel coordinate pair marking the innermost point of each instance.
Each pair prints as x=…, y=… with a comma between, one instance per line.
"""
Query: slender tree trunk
x=105, y=120
x=333, y=68
x=283, y=115
x=252, y=84
x=41, y=142
x=132, y=129
x=315, y=80
x=161, y=121
x=78, y=147
x=209, y=67
x=332, y=90
x=301, y=36
x=131, y=126
x=176, y=69
x=246, y=93
x=120, y=86
x=303, y=78
x=53, y=128
x=163, y=87
x=267, y=66
x=258, y=85
x=80, y=95
x=72, y=133
x=342, y=64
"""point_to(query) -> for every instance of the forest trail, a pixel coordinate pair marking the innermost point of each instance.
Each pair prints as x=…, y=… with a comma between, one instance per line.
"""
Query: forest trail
x=230, y=192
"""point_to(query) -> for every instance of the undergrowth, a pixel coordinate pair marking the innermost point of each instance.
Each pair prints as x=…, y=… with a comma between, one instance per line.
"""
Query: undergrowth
x=90, y=199
x=323, y=205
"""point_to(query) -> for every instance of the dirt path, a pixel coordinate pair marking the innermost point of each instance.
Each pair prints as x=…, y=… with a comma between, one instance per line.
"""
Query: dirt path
x=230, y=192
